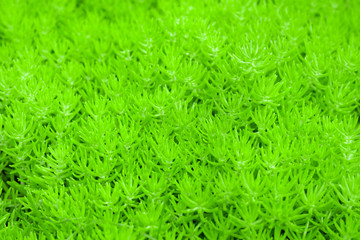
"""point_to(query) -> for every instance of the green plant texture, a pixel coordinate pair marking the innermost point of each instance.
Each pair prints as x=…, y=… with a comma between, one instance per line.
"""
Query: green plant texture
x=179, y=119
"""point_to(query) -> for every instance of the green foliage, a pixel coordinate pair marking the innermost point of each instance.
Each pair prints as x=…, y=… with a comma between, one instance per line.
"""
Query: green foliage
x=155, y=119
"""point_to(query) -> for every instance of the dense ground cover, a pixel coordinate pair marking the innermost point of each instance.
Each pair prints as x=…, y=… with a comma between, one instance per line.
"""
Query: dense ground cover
x=179, y=119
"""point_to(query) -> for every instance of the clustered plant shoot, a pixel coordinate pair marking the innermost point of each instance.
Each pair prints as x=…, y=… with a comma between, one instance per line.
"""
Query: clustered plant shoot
x=179, y=119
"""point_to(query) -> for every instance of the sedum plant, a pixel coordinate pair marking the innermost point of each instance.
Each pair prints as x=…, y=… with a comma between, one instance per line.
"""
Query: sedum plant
x=155, y=119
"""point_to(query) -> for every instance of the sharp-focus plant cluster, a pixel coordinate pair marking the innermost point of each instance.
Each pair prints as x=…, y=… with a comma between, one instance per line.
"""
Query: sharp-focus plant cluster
x=157, y=119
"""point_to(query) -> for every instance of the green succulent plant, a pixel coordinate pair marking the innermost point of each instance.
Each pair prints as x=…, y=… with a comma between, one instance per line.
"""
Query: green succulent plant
x=155, y=119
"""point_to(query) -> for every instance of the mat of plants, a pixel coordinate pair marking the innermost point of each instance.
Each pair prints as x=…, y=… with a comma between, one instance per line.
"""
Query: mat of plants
x=169, y=119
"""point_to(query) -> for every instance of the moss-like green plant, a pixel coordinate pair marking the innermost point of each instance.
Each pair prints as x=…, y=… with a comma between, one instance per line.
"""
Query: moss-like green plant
x=156, y=119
